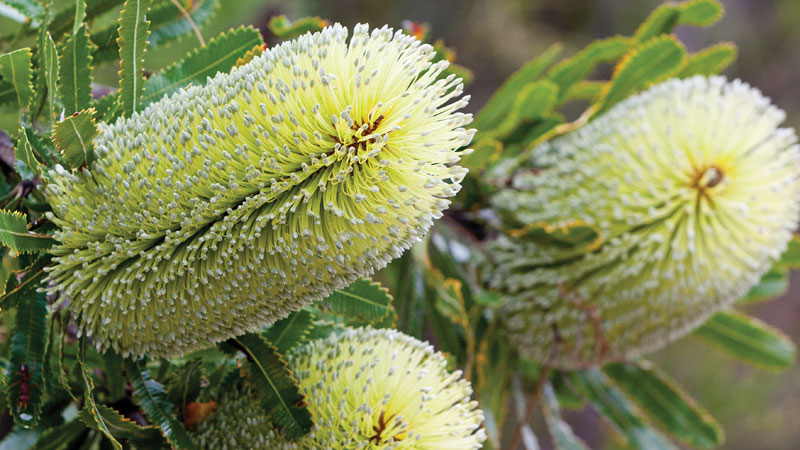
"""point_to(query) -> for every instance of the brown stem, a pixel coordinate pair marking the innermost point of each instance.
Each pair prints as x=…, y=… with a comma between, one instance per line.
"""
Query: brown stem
x=530, y=404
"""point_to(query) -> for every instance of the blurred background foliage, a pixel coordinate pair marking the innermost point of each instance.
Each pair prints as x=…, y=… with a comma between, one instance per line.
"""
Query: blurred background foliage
x=757, y=409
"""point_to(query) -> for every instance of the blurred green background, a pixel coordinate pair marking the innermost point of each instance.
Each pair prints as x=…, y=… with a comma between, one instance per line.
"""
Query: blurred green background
x=758, y=409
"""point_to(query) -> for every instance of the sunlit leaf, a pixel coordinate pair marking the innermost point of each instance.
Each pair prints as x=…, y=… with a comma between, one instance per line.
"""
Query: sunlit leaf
x=123, y=428
x=24, y=160
x=283, y=28
x=710, y=61
x=573, y=70
x=14, y=234
x=73, y=137
x=75, y=72
x=134, y=28
x=16, y=69
x=749, y=340
x=772, y=284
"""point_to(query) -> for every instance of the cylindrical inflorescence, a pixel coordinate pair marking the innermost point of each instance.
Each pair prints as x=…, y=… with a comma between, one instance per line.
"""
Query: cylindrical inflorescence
x=366, y=388
x=223, y=207
x=629, y=232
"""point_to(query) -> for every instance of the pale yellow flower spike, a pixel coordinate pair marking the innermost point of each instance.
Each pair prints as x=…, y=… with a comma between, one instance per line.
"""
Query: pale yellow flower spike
x=367, y=389
x=222, y=208
x=693, y=191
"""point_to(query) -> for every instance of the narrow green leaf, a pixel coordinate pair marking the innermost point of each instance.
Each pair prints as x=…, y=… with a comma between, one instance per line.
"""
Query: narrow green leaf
x=73, y=137
x=17, y=70
x=710, y=61
x=24, y=160
x=283, y=28
x=122, y=427
x=701, y=13
x=495, y=364
x=75, y=72
x=218, y=56
x=563, y=436
x=134, y=28
x=364, y=301
x=184, y=385
x=26, y=380
x=62, y=436
x=14, y=234
x=288, y=333
x=532, y=102
x=772, y=284
x=64, y=20
x=95, y=419
x=483, y=152
x=150, y=396
x=51, y=70
x=790, y=259
x=280, y=396
x=651, y=62
x=616, y=410
x=115, y=380
x=575, y=69
x=749, y=340
x=170, y=30
x=499, y=105
x=666, y=403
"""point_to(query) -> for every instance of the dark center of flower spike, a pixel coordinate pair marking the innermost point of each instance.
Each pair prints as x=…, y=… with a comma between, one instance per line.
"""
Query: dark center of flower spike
x=705, y=179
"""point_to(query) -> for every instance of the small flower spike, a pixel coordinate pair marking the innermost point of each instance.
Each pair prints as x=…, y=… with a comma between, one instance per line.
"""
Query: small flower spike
x=223, y=207
x=367, y=389
x=667, y=209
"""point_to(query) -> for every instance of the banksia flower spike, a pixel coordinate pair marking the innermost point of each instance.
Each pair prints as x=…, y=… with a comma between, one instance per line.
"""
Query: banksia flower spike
x=636, y=228
x=367, y=389
x=222, y=208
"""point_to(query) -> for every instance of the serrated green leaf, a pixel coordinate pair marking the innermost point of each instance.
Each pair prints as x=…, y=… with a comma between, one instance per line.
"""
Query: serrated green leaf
x=365, y=301
x=95, y=419
x=219, y=55
x=150, y=396
x=75, y=72
x=64, y=20
x=748, y=339
x=499, y=105
x=280, y=396
x=122, y=427
x=653, y=61
x=563, y=436
x=173, y=29
x=184, y=385
x=27, y=350
x=283, y=28
x=532, y=102
x=617, y=410
x=60, y=437
x=701, y=13
x=17, y=70
x=24, y=160
x=134, y=28
x=73, y=136
x=575, y=69
x=710, y=61
x=14, y=234
x=290, y=332
x=588, y=90
x=666, y=403
x=662, y=20
x=31, y=9
x=772, y=284
x=51, y=70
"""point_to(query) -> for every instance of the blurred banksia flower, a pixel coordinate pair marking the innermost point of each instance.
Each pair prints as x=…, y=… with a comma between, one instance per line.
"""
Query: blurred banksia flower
x=224, y=207
x=629, y=232
x=367, y=388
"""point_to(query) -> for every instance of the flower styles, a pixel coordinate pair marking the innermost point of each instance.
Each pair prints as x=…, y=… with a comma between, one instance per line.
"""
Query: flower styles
x=658, y=214
x=223, y=207
x=366, y=389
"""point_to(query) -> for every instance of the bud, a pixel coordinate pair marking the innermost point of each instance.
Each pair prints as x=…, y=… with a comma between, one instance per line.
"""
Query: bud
x=223, y=207
x=656, y=215
x=366, y=388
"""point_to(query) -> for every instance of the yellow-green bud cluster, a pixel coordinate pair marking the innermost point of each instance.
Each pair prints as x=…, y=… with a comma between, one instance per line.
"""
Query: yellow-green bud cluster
x=223, y=207
x=367, y=389
x=693, y=192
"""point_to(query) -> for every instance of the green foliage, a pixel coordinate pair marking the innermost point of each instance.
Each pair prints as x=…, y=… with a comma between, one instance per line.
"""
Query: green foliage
x=363, y=301
x=16, y=71
x=73, y=137
x=711, y=60
x=151, y=397
x=75, y=71
x=14, y=234
x=50, y=63
x=666, y=403
x=25, y=161
x=748, y=339
x=280, y=396
x=283, y=28
x=563, y=436
x=122, y=427
x=92, y=416
x=288, y=333
x=134, y=28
